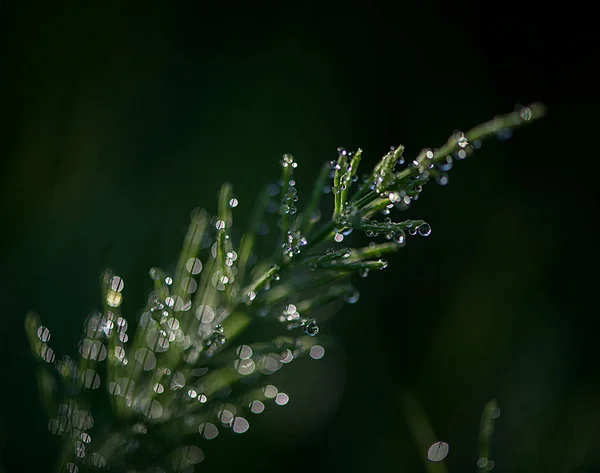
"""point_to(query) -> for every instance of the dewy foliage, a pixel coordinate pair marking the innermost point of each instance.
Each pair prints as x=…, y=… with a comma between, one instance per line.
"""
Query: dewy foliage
x=180, y=376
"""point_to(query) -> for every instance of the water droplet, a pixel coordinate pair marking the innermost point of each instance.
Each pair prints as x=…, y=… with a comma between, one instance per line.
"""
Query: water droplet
x=257, y=407
x=47, y=354
x=399, y=237
x=525, y=114
x=317, y=352
x=353, y=297
x=461, y=139
x=445, y=164
x=394, y=197
x=194, y=265
x=438, y=451
x=233, y=202
x=363, y=272
x=281, y=399
x=43, y=333
x=114, y=298
x=208, y=430
x=244, y=352
x=240, y=425
x=442, y=178
x=117, y=284
x=72, y=468
x=424, y=229
x=311, y=328
x=91, y=379
x=270, y=391
x=287, y=160
x=98, y=460
x=294, y=243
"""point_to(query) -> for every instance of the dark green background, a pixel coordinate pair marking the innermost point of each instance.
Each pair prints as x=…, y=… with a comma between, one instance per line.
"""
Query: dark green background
x=118, y=120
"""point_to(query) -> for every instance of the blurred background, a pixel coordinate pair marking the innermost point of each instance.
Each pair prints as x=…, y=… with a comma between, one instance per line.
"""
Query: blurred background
x=117, y=120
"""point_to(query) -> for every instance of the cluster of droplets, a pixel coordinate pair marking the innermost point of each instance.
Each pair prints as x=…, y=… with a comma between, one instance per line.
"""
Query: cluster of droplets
x=216, y=338
x=395, y=231
x=331, y=256
x=292, y=318
x=115, y=285
x=344, y=163
x=293, y=243
x=288, y=205
x=423, y=230
x=182, y=323
x=74, y=423
x=422, y=165
x=384, y=173
x=290, y=196
x=287, y=160
x=346, y=219
x=349, y=176
x=69, y=419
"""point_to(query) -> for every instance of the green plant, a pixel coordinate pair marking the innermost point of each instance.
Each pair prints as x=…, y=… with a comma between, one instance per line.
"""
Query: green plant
x=181, y=374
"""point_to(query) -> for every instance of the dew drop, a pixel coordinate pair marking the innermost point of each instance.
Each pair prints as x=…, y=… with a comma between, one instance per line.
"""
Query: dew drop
x=72, y=468
x=399, y=237
x=442, y=178
x=424, y=229
x=240, y=425
x=525, y=114
x=117, y=284
x=461, y=139
x=352, y=298
x=43, y=333
x=311, y=328
x=438, y=451
x=47, y=354
x=257, y=407
x=282, y=399
x=317, y=352
x=208, y=430
x=445, y=164
x=394, y=197
x=194, y=265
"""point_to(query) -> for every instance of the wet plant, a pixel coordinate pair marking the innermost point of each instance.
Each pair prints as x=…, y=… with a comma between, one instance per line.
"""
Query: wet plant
x=187, y=372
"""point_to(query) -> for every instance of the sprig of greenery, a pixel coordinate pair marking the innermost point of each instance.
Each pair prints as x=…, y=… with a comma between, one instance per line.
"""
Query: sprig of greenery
x=180, y=376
